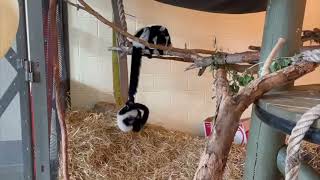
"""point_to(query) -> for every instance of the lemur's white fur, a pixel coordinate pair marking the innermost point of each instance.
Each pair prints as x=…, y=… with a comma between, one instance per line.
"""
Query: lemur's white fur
x=120, y=119
x=162, y=28
x=155, y=40
x=144, y=36
x=167, y=40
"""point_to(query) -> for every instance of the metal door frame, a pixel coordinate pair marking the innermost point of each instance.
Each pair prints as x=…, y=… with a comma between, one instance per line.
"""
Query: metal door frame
x=38, y=91
x=19, y=85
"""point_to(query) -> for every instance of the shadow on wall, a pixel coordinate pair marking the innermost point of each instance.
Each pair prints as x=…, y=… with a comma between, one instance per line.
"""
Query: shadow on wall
x=91, y=68
x=86, y=96
x=92, y=45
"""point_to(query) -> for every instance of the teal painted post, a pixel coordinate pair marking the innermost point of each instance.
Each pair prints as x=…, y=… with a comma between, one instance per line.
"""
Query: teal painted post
x=305, y=173
x=284, y=18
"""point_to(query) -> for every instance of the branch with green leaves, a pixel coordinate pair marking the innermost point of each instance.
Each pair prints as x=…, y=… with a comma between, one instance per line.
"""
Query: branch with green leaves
x=233, y=101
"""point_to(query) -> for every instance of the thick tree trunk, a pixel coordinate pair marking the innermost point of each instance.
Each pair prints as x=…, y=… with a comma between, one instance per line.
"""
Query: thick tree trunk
x=214, y=158
x=230, y=108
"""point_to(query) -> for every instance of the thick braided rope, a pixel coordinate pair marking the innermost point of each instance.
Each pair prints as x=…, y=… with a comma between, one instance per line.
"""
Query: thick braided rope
x=302, y=126
x=122, y=15
x=311, y=56
x=294, y=142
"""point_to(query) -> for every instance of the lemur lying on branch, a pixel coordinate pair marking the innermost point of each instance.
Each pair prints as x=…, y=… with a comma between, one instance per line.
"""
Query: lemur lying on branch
x=133, y=116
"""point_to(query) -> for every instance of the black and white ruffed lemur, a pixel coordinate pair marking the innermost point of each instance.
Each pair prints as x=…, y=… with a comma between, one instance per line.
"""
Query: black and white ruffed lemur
x=133, y=116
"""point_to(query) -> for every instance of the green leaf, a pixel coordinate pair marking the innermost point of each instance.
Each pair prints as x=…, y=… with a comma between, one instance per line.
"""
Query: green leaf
x=245, y=80
x=249, y=78
x=280, y=64
x=275, y=66
x=286, y=62
x=241, y=81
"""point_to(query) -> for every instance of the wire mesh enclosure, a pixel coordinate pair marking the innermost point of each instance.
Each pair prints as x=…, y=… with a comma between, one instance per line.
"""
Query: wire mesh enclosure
x=29, y=133
x=64, y=77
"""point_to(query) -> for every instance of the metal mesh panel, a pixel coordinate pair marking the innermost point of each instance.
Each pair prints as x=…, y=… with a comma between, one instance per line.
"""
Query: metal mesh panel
x=49, y=65
x=52, y=112
x=61, y=51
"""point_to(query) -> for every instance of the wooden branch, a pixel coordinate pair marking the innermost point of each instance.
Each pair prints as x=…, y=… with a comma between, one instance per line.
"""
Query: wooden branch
x=221, y=83
x=213, y=160
x=272, y=55
x=200, y=61
x=237, y=67
x=78, y=6
x=178, y=54
x=186, y=54
x=309, y=35
x=251, y=57
x=255, y=48
x=309, y=48
x=258, y=87
x=248, y=68
x=304, y=48
x=86, y=7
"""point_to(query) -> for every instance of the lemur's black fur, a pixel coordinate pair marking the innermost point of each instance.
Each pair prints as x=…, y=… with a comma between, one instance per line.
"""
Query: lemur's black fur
x=134, y=115
x=136, y=121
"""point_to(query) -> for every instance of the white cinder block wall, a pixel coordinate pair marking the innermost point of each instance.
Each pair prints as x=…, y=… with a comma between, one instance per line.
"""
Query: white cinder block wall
x=177, y=99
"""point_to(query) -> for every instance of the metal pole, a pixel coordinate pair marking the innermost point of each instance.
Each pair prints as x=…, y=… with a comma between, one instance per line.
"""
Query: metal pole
x=284, y=18
x=40, y=126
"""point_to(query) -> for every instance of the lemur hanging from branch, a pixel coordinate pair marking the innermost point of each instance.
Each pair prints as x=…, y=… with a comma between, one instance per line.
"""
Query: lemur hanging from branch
x=133, y=116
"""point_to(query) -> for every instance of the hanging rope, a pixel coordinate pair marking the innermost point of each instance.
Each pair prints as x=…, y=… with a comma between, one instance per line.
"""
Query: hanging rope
x=311, y=56
x=303, y=125
x=122, y=15
x=123, y=40
x=298, y=132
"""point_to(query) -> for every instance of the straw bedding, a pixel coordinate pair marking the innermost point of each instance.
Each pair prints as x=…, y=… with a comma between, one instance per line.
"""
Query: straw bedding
x=98, y=150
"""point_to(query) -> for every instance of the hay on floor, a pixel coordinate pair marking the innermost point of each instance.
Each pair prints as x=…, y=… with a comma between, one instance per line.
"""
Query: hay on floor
x=98, y=150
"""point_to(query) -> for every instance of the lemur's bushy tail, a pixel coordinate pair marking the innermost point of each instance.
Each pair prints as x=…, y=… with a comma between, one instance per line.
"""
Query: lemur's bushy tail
x=135, y=71
x=138, y=125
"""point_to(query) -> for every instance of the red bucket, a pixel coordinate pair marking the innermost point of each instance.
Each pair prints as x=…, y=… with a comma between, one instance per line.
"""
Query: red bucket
x=241, y=136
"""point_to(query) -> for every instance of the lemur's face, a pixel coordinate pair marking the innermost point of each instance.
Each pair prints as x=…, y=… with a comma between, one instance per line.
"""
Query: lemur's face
x=164, y=37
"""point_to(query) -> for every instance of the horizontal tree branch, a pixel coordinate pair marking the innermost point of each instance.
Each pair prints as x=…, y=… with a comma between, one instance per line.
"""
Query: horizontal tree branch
x=239, y=67
x=250, y=57
x=204, y=61
x=179, y=54
x=185, y=55
x=311, y=35
x=303, y=64
x=309, y=48
x=86, y=7
x=258, y=87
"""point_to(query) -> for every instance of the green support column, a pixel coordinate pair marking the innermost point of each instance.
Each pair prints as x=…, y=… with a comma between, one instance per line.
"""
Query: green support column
x=119, y=99
x=119, y=61
x=305, y=173
x=284, y=18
